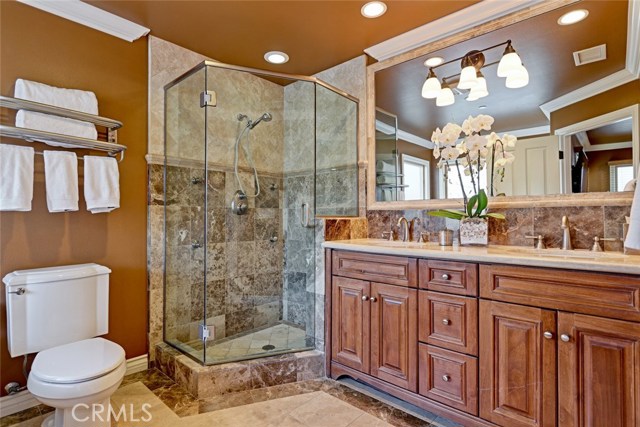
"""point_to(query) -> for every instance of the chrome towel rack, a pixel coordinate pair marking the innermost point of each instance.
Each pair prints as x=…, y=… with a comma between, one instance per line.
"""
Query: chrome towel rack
x=110, y=146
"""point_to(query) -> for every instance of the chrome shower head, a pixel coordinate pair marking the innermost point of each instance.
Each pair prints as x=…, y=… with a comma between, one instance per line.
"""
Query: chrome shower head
x=266, y=117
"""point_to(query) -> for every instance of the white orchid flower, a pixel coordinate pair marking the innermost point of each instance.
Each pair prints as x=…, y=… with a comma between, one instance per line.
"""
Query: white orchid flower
x=509, y=140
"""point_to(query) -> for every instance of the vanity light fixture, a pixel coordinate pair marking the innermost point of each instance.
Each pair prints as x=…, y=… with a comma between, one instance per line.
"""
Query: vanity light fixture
x=373, y=9
x=431, y=87
x=573, y=17
x=276, y=57
x=471, y=79
x=445, y=97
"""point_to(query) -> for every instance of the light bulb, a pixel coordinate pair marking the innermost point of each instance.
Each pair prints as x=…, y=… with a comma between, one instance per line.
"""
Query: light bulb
x=518, y=78
x=479, y=90
x=445, y=97
x=468, y=78
x=431, y=88
x=510, y=60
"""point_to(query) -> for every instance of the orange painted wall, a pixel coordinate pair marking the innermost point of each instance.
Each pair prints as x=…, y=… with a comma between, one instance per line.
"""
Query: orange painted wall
x=38, y=46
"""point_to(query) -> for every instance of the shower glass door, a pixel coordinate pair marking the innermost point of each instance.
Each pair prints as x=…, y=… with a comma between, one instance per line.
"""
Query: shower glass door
x=259, y=215
x=184, y=214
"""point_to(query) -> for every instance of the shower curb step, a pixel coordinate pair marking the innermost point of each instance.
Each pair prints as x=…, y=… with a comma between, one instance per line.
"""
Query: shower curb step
x=207, y=381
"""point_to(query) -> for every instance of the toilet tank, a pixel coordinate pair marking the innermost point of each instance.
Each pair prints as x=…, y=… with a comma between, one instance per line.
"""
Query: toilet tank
x=47, y=307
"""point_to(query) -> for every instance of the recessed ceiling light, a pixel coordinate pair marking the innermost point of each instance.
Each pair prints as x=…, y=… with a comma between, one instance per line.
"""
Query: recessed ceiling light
x=373, y=9
x=573, y=17
x=276, y=57
x=434, y=61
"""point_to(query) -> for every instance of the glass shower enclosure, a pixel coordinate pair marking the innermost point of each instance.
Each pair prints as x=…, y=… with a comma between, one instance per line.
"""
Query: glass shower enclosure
x=251, y=157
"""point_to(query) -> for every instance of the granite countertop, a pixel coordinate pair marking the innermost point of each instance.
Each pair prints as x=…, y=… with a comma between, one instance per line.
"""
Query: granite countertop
x=610, y=262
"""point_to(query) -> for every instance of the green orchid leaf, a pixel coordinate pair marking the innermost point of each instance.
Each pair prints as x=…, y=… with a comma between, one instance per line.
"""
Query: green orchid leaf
x=470, y=205
x=483, y=201
x=448, y=214
x=495, y=215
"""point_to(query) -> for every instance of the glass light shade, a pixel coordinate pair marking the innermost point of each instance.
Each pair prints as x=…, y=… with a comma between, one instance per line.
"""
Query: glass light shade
x=508, y=63
x=468, y=78
x=479, y=90
x=518, y=78
x=431, y=88
x=445, y=97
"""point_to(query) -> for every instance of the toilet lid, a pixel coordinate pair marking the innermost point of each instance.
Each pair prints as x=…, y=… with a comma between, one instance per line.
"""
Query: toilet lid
x=78, y=361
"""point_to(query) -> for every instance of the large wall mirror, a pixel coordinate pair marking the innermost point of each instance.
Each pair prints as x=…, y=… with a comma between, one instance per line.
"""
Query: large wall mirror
x=567, y=142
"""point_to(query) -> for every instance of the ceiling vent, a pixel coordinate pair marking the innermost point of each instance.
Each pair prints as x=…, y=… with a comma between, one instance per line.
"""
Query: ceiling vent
x=593, y=54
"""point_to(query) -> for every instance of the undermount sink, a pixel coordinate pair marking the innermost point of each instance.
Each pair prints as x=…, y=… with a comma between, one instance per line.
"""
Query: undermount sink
x=559, y=253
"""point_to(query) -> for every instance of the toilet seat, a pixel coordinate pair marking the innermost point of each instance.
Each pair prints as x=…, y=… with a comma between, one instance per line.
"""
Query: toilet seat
x=80, y=368
x=78, y=361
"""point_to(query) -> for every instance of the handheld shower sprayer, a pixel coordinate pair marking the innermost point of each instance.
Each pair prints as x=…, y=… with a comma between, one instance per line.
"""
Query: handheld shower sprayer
x=266, y=117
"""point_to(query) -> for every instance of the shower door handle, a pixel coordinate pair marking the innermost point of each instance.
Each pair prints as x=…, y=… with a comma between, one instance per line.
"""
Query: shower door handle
x=305, y=215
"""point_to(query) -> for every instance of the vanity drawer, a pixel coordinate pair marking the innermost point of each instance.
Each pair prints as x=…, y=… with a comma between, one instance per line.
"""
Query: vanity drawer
x=448, y=276
x=376, y=268
x=448, y=321
x=448, y=377
x=602, y=294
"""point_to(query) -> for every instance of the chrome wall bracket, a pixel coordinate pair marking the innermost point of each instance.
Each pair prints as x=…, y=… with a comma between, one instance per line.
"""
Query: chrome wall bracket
x=208, y=99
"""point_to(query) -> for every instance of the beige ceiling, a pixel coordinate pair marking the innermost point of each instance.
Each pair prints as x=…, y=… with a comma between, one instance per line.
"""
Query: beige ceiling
x=315, y=34
x=546, y=50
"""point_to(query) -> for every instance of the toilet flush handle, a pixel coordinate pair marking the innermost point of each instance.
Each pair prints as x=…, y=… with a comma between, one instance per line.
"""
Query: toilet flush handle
x=20, y=291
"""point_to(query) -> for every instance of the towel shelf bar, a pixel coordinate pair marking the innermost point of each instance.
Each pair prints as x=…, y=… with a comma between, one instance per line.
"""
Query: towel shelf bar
x=23, y=104
x=111, y=147
x=91, y=144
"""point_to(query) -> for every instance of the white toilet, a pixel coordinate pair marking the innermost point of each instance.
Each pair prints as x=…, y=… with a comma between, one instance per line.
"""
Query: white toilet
x=57, y=312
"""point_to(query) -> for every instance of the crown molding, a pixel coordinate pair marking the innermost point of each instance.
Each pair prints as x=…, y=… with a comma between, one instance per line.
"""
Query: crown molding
x=592, y=89
x=91, y=16
x=403, y=135
x=534, y=131
x=471, y=16
x=630, y=73
x=633, y=38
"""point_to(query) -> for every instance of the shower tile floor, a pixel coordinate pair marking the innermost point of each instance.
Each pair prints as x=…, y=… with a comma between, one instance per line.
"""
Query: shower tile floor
x=274, y=339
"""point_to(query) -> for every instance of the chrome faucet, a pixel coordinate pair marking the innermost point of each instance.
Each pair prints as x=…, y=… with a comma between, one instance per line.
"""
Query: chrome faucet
x=402, y=222
x=566, y=234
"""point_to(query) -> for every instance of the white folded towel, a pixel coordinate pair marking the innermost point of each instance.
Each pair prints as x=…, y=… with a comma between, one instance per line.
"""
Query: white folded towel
x=61, y=176
x=633, y=235
x=101, y=184
x=72, y=99
x=382, y=166
x=16, y=177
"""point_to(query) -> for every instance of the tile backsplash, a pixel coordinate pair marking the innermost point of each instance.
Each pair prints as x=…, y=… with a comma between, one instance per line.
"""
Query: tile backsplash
x=586, y=222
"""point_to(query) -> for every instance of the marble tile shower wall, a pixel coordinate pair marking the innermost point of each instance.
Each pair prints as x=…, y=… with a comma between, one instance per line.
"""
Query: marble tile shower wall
x=586, y=223
x=243, y=273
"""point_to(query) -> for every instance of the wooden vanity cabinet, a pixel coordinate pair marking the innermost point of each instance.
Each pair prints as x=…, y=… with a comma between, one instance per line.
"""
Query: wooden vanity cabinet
x=527, y=353
x=538, y=347
x=375, y=329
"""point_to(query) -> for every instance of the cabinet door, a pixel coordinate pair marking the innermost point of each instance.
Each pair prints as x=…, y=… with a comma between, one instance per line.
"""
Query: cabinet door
x=350, y=323
x=599, y=372
x=394, y=335
x=517, y=365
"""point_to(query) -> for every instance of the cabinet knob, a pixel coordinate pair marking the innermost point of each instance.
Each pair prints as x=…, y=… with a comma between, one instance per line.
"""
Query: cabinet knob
x=565, y=337
x=548, y=335
x=446, y=321
x=445, y=276
x=374, y=299
x=446, y=378
x=365, y=298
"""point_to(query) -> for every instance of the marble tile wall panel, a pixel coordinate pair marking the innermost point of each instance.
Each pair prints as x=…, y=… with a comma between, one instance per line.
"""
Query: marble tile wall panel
x=586, y=222
x=209, y=381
